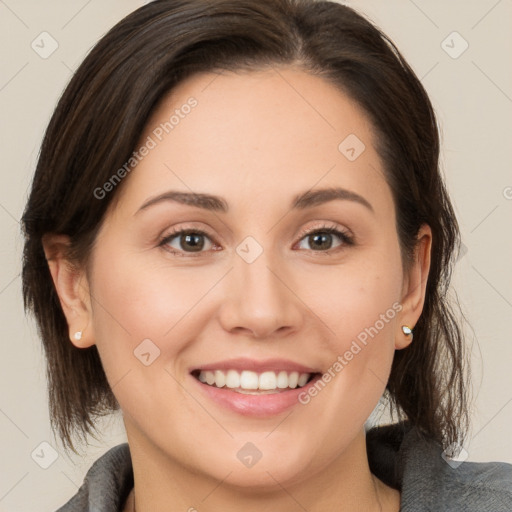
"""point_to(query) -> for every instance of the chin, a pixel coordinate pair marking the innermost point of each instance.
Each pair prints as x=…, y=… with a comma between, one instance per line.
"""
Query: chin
x=252, y=463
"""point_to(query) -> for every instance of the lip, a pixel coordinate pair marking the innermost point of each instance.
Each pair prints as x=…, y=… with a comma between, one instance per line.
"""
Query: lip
x=256, y=406
x=243, y=363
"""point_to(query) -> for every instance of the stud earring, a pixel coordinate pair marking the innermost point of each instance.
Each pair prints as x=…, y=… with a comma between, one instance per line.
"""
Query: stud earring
x=407, y=331
x=78, y=335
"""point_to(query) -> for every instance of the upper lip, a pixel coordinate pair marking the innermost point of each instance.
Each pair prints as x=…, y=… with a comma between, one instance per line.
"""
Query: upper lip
x=255, y=365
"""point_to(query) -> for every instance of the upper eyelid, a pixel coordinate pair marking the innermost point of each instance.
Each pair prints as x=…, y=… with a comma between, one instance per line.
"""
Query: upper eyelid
x=302, y=232
x=181, y=230
x=326, y=225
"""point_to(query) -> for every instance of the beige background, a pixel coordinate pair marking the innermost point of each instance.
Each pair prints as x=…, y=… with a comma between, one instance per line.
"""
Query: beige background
x=473, y=98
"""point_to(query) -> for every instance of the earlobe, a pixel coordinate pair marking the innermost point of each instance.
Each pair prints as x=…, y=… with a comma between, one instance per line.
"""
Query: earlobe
x=406, y=337
x=415, y=285
x=71, y=287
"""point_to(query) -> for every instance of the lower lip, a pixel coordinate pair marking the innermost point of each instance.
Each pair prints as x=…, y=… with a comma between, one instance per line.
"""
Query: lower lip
x=255, y=405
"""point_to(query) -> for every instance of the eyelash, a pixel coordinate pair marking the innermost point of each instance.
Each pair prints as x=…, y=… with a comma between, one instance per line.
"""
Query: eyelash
x=344, y=236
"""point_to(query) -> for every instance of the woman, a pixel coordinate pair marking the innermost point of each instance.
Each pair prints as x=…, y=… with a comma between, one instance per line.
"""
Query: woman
x=238, y=235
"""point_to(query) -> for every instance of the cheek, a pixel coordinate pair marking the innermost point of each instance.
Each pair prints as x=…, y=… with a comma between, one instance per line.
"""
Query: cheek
x=143, y=300
x=143, y=308
x=367, y=311
x=135, y=301
x=354, y=300
x=359, y=304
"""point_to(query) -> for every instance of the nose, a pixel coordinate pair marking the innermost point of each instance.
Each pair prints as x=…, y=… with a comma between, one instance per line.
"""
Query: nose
x=261, y=301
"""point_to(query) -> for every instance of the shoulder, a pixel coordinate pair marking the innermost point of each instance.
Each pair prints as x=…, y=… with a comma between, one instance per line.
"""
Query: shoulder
x=480, y=486
x=106, y=485
x=430, y=481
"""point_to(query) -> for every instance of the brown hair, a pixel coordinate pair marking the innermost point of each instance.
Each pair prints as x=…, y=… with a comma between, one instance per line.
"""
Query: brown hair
x=103, y=112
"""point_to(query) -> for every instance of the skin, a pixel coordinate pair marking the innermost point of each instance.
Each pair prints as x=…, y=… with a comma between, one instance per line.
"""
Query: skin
x=257, y=142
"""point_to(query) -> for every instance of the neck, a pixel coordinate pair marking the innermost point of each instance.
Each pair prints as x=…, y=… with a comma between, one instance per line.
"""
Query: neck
x=346, y=484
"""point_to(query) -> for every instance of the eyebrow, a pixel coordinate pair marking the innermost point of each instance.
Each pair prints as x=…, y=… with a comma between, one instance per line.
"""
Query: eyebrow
x=302, y=201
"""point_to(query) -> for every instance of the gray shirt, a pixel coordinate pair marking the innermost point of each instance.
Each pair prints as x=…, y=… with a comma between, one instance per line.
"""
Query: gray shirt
x=397, y=454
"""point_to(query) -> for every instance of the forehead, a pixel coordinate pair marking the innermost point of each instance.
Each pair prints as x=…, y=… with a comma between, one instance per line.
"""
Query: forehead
x=256, y=135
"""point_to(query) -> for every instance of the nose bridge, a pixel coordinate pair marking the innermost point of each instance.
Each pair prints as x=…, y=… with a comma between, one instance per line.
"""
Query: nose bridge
x=259, y=299
x=259, y=284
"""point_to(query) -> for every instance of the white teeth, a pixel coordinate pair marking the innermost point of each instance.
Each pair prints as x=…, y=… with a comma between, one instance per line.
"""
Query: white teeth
x=220, y=379
x=303, y=378
x=268, y=380
x=250, y=381
x=232, y=379
x=282, y=380
x=293, y=379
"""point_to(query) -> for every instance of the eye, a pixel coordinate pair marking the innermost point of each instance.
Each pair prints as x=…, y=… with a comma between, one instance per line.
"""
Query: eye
x=189, y=241
x=321, y=239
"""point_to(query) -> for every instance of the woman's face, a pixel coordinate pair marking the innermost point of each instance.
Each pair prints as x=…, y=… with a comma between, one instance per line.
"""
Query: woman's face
x=248, y=290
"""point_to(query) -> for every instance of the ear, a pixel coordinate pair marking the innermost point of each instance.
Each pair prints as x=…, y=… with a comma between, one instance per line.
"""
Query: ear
x=72, y=288
x=415, y=285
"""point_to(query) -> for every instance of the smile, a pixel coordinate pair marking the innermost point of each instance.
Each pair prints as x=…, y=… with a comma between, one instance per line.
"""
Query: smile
x=251, y=382
x=254, y=388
